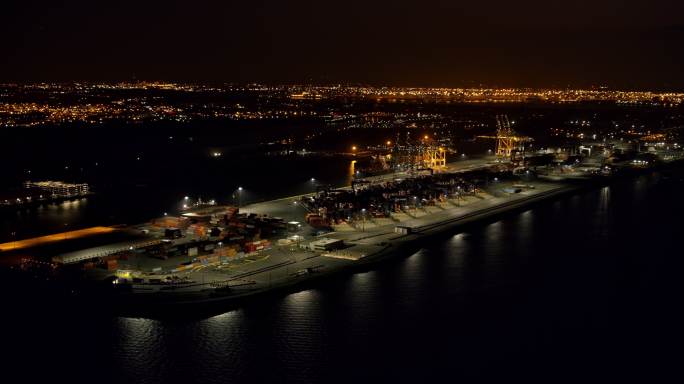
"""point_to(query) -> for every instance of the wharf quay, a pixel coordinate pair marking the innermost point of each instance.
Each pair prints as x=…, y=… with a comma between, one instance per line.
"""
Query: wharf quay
x=286, y=267
x=289, y=270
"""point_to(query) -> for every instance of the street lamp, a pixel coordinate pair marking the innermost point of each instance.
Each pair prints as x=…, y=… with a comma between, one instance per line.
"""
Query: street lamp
x=239, y=196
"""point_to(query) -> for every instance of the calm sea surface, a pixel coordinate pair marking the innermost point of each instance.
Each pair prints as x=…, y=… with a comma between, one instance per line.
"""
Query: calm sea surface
x=585, y=288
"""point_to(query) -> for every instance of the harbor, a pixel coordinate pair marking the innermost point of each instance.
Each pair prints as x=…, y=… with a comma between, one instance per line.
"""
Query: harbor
x=222, y=254
x=399, y=197
x=341, y=192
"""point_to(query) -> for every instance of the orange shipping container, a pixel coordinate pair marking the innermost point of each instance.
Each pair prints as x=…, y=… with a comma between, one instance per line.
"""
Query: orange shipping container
x=112, y=265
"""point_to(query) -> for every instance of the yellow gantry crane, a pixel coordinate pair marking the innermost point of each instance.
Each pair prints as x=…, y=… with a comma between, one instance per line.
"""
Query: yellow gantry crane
x=430, y=155
x=435, y=158
x=419, y=154
x=507, y=141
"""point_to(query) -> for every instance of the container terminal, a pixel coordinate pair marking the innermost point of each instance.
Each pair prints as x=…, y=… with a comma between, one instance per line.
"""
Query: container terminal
x=216, y=253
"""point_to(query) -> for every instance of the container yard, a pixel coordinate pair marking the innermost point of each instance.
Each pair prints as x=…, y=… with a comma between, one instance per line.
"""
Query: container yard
x=218, y=252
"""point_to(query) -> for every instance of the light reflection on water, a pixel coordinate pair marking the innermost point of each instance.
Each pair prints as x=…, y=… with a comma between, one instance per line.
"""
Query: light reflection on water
x=140, y=345
x=493, y=231
x=350, y=172
x=133, y=329
x=226, y=319
x=602, y=215
x=361, y=290
x=605, y=199
x=524, y=230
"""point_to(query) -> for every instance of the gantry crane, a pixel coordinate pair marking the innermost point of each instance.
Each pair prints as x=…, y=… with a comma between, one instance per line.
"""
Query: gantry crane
x=418, y=154
x=434, y=158
x=505, y=138
x=508, y=143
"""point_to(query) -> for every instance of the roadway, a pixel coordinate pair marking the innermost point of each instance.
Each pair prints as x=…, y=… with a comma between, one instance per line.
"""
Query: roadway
x=54, y=238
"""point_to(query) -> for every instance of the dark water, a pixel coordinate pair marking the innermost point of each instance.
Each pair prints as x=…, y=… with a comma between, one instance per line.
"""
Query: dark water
x=586, y=288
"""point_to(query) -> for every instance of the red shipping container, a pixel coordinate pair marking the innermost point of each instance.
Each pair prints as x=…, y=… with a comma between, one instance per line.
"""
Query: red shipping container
x=112, y=265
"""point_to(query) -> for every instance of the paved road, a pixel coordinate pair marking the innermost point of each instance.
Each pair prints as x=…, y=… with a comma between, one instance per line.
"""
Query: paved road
x=43, y=240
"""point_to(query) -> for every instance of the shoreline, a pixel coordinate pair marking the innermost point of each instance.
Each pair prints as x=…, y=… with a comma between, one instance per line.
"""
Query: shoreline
x=159, y=306
x=387, y=246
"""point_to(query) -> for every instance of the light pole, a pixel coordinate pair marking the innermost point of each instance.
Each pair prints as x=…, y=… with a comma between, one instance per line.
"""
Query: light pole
x=239, y=194
x=363, y=217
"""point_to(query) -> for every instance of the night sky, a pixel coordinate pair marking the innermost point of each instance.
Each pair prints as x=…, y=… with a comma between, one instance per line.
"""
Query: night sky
x=618, y=43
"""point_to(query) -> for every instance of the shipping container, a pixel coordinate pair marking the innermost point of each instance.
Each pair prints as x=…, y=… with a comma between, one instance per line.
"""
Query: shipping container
x=112, y=265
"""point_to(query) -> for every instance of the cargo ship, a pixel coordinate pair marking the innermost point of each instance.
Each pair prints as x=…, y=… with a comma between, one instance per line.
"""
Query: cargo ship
x=43, y=192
